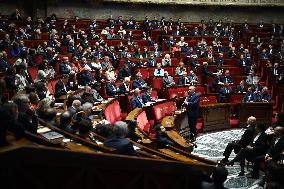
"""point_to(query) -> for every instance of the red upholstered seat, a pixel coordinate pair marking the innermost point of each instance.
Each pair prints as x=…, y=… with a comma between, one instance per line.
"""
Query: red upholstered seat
x=205, y=100
x=113, y=112
x=237, y=98
x=163, y=109
x=51, y=86
x=154, y=95
x=200, y=89
x=234, y=123
x=157, y=83
x=143, y=122
x=170, y=70
x=144, y=72
x=177, y=92
x=174, y=61
x=33, y=71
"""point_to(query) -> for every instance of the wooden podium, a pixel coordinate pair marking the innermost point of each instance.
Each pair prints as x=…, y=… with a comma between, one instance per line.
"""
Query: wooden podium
x=215, y=116
x=262, y=111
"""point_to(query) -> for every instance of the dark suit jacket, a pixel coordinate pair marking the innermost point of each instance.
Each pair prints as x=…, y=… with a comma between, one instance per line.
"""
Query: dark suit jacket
x=63, y=69
x=71, y=110
x=224, y=95
x=265, y=96
x=59, y=89
x=138, y=84
x=111, y=89
x=249, y=97
x=28, y=125
x=193, y=105
x=136, y=103
x=227, y=79
x=122, y=73
x=260, y=145
x=243, y=63
x=240, y=89
x=146, y=98
x=247, y=137
x=122, y=145
x=181, y=80
x=276, y=149
x=123, y=90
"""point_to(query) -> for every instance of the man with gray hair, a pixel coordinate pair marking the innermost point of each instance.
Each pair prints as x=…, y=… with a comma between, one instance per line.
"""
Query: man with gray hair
x=246, y=138
x=118, y=141
x=26, y=115
x=76, y=104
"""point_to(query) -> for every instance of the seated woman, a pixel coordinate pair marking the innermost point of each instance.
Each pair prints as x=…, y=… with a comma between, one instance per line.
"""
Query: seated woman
x=159, y=71
x=166, y=61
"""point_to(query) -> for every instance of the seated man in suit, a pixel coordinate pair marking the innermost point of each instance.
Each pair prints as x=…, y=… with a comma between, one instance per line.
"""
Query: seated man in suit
x=241, y=88
x=225, y=93
x=137, y=101
x=61, y=87
x=246, y=138
x=139, y=82
x=125, y=88
x=265, y=96
x=168, y=80
x=227, y=78
x=242, y=62
x=146, y=97
x=193, y=79
x=256, y=148
x=65, y=67
x=76, y=104
x=220, y=60
x=183, y=80
x=118, y=141
x=151, y=61
x=65, y=122
x=27, y=116
x=111, y=89
x=217, y=80
x=250, y=96
x=252, y=78
x=273, y=153
x=124, y=72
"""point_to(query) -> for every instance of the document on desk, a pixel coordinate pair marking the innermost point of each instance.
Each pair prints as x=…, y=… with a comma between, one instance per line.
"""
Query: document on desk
x=43, y=130
x=136, y=148
x=52, y=135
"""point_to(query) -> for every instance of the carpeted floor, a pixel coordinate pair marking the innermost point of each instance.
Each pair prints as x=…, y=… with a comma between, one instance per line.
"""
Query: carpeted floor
x=212, y=145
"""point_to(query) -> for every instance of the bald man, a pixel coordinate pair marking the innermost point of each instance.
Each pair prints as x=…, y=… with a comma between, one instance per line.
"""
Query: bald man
x=243, y=142
x=192, y=107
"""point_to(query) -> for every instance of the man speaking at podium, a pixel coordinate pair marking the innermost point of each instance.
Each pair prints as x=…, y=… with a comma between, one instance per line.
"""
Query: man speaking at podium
x=192, y=106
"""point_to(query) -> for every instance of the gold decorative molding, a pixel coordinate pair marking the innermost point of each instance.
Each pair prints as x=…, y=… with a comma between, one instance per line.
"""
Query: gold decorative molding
x=207, y=2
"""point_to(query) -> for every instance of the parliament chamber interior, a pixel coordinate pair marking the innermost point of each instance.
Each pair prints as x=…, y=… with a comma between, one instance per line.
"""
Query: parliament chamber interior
x=134, y=94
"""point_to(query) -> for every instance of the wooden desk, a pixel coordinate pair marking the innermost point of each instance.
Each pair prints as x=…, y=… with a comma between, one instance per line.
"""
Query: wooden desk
x=215, y=116
x=260, y=110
